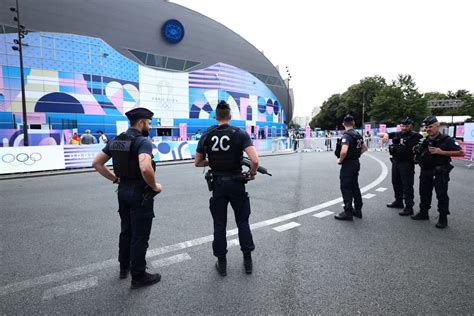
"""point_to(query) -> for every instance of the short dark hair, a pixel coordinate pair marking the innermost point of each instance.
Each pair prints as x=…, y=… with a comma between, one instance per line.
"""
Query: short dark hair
x=222, y=111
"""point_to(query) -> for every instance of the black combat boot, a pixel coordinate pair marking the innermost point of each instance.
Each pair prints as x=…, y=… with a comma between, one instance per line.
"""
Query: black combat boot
x=442, y=221
x=395, y=204
x=144, y=279
x=123, y=272
x=221, y=266
x=421, y=216
x=248, y=262
x=357, y=213
x=406, y=211
x=344, y=216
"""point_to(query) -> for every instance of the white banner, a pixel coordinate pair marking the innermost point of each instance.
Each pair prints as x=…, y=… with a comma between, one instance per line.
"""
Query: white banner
x=469, y=132
x=34, y=158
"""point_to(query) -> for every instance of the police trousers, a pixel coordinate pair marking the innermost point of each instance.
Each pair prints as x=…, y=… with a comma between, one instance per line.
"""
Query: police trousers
x=136, y=219
x=429, y=178
x=403, y=178
x=229, y=190
x=349, y=180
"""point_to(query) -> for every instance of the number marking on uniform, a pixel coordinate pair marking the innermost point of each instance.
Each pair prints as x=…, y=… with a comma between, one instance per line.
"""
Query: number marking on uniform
x=219, y=143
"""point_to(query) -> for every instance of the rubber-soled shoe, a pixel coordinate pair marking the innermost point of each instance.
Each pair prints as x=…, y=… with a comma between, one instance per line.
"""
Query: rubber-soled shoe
x=406, y=211
x=344, y=216
x=221, y=266
x=123, y=273
x=145, y=279
x=421, y=216
x=248, y=265
x=357, y=213
x=395, y=204
x=442, y=221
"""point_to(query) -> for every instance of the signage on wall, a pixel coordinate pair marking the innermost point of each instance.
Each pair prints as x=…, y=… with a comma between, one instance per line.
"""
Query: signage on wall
x=172, y=31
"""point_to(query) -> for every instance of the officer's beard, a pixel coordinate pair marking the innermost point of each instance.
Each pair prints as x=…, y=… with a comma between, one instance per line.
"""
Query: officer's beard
x=145, y=132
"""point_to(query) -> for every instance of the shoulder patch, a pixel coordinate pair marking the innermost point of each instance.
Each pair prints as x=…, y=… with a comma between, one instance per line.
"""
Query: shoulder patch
x=343, y=140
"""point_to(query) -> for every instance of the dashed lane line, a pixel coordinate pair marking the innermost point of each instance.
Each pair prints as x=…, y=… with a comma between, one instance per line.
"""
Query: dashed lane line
x=381, y=189
x=170, y=260
x=288, y=226
x=323, y=214
x=70, y=288
x=368, y=196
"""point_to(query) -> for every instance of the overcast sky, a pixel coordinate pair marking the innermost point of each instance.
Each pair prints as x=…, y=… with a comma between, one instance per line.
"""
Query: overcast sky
x=329, y=45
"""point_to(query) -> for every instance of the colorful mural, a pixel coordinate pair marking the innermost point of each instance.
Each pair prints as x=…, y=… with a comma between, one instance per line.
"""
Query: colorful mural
x=82, y=81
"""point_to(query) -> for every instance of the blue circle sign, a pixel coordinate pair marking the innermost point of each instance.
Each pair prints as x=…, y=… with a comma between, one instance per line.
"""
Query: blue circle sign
x=172, y=31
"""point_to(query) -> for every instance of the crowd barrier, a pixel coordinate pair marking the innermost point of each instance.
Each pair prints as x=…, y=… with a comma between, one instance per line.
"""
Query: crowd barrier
x=44, y=158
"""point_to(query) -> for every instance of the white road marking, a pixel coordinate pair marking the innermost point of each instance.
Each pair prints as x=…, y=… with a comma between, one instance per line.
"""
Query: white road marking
x=381, y=189
x=323, y=214
x=170, y=260
x=368, y=196
x=70, y=288
x=284, y=227
x=94, y=267
x=233, y=243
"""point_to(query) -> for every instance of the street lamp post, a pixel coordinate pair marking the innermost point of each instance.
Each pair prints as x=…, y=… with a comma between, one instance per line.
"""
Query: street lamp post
x=363, y=111
x=21, y=34
x=289, y=98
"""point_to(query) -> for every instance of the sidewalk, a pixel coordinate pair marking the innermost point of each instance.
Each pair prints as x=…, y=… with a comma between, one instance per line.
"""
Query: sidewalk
x=84, y=170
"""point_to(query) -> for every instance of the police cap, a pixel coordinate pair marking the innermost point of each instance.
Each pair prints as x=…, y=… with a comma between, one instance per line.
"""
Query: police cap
x=406, y=121
x=223, y=106
x=430, y=120
x=139, y=113
x=348, y=118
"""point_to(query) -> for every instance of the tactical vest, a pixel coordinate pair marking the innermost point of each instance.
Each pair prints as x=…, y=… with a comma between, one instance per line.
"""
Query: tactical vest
x=125, y=161
x=355, y=148
x=425, y=158
x=223, y=146
x=401, y=152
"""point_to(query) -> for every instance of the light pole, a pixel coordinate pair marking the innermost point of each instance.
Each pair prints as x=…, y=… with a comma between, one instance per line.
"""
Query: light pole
x=363, y=111
x=289, y=78
x=21, y=34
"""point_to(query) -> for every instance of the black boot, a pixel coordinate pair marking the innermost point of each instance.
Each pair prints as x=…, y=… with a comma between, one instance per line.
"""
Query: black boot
x=123, y=272
x=221, y=266
x=344, y=216
x=406, y=211
x=442, y=221
x=421, y=216
x=248, y=262
x=144, y=279
x=395, y=204
x=357, y=213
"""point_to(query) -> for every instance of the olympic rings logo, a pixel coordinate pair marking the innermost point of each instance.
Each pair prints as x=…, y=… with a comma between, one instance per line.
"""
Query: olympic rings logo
x=22, y=158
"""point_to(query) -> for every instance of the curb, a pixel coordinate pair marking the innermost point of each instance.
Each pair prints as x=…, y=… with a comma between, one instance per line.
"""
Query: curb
x=90, y=169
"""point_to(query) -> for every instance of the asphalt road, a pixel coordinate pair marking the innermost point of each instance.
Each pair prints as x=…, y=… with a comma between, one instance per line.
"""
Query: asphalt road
x=59, y=237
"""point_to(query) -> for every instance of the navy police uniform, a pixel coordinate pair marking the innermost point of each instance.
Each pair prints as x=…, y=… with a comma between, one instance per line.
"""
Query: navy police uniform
x=349, y=174
x=136, y=214
x=434, y=172
x=403, y=167
x=224, y=147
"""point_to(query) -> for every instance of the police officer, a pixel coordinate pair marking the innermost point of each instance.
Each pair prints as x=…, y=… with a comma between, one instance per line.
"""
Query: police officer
x=434, y=157
x=131, y=153
x=223, y=145
x=403, y=165
x=349, y=148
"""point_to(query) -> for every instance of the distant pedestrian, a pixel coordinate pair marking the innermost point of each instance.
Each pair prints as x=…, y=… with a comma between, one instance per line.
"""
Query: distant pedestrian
x=75, y=140
x=102, y=138
x=87, y=138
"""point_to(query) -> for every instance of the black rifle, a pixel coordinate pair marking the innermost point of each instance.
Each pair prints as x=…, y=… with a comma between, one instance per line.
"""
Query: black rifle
x=246, y=162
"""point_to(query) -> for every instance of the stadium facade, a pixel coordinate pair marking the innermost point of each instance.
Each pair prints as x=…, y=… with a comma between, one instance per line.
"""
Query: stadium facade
x=86, y=63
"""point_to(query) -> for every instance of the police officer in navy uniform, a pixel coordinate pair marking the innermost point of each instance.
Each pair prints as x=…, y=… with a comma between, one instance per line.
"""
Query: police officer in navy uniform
x=223, y=145
x=134, y=171
x=434, y=157
x=349, y=148
x=403, y=165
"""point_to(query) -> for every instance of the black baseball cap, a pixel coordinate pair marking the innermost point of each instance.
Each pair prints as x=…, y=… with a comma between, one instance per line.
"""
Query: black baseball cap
x=406, y=121
x=430, y=120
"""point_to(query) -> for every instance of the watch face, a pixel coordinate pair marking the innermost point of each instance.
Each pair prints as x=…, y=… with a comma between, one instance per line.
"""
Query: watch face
x=172, y=31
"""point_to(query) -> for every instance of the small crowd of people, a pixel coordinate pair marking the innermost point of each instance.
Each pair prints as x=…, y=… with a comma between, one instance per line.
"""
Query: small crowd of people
x=88, y=139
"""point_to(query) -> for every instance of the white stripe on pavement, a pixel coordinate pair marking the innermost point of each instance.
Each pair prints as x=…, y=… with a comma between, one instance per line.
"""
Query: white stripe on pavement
x=70, y=288
x=233, y=243
x=368, y=196
x=170, y=260
x=381, y=189
x=65, y=274
x=282, y=228
x=323, y=214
